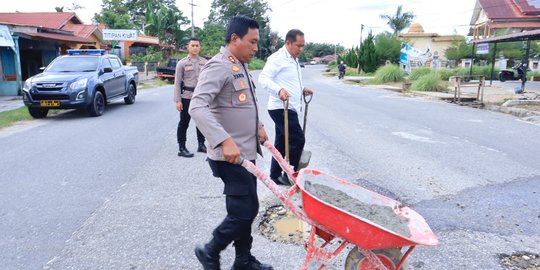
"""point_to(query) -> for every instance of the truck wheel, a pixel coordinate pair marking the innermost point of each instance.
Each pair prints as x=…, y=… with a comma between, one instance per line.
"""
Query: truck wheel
x=38, y=112
x=98, y=104
x=130, y=99
x=502, y=78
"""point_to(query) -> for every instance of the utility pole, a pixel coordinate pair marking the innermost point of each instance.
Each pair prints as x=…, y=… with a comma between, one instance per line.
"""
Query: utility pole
x=361, y=30
x=192, y=22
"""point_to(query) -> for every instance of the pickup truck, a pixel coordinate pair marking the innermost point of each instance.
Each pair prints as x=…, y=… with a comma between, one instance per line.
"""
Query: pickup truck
x=167, y=72
x=82, y=79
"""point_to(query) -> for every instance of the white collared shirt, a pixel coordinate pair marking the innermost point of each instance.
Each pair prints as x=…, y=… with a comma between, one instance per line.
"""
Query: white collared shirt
x=282, y=71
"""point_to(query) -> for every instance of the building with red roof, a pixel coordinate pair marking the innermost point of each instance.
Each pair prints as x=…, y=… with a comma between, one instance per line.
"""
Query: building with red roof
x=489, y=16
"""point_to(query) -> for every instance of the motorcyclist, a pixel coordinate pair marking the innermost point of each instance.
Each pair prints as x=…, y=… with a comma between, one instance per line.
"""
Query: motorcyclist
x=341, y=69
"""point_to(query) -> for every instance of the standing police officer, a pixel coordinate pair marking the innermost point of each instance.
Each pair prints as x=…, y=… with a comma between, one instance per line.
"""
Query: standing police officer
x=224, y=107
x=185, y=80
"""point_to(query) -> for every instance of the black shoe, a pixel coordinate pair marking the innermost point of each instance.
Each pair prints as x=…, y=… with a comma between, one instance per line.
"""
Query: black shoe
x=249, y=263
x=201, y=148
x=282, y=180
x=183, y=152
x=208, y=261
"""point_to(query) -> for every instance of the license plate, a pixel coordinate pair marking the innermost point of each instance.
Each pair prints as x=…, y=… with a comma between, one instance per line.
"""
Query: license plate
x=49, y=103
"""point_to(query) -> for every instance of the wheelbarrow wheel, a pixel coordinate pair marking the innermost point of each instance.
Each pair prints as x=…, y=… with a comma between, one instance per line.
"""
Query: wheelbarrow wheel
x=389, y=258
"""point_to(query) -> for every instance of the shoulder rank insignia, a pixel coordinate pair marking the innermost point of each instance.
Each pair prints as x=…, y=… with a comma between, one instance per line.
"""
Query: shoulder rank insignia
x=235, y=68
x=231, y=58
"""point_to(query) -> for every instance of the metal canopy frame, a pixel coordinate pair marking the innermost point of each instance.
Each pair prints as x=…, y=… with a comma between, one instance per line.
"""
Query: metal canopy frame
x=521, y=36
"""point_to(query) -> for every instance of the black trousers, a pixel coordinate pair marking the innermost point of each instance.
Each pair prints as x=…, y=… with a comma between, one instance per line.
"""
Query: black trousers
x=241, y=202
x=296, y=140
x=184, y=124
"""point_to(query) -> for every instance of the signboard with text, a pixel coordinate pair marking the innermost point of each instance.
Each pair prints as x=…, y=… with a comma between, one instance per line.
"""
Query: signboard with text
x=119, y=34
x=482, y=48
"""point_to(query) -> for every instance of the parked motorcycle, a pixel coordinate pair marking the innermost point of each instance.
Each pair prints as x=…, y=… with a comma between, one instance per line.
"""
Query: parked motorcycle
x=515, y=73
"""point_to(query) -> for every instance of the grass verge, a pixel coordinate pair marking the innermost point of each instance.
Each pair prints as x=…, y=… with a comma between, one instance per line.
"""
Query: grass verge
x=7, y=118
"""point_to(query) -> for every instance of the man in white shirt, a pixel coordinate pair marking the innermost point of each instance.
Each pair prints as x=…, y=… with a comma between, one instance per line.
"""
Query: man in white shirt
x=281, y=77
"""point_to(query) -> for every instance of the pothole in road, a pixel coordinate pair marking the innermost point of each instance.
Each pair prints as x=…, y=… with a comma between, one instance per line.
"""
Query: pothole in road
x=520, y=261
x=281, y=225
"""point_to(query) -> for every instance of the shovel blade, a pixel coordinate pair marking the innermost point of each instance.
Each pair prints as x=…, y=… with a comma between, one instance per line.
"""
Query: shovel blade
x=304, y=159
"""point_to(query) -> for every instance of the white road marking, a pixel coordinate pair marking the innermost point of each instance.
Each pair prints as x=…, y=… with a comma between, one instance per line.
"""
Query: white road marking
x=412, y=137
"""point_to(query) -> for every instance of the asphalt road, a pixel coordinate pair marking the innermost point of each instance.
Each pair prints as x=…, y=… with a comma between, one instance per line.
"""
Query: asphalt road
x=110, y=193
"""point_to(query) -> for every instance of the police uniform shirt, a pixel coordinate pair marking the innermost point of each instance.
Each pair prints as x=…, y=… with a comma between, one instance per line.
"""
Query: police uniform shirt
x=224, y=105
x=187, y=70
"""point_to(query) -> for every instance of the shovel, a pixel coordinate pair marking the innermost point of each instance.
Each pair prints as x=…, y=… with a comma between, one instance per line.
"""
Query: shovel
x=305, y=157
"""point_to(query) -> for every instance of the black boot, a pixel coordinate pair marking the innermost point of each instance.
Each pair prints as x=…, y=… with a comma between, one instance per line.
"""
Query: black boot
x=201, y=148
x=244, y=260
x=208, y=256
x=183, y=152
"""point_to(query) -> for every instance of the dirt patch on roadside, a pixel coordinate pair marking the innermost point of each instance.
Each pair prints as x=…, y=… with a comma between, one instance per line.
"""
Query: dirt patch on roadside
x=378, y=214
x=520, y=261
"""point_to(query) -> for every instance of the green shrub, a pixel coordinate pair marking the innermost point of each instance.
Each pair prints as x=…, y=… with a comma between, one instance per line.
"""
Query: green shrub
x=417, y=73
x=332, y=64
x=136, y=57
x=446, y=73
x=256, y=64
x=429, y=82
x=389, y=73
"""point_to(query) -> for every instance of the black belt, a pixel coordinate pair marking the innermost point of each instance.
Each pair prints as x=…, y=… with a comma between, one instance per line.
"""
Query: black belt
x=191, y=89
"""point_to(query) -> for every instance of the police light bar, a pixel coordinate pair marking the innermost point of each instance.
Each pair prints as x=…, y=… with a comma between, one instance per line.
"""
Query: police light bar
x=86, y=51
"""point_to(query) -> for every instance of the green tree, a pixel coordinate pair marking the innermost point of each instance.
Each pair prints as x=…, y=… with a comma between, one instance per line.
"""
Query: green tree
x=350, y=57
x=222, y=10
x=160, y=18
x=387, y=47
x=398, y=21
x=114, y=14
x=164, y=21
x=321, y=49
x=212, y=38
x=139, y=9
x=367, y=57
x=458, y=50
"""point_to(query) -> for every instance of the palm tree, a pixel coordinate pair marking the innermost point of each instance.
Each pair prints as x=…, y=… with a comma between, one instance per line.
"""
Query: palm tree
x=399, y=21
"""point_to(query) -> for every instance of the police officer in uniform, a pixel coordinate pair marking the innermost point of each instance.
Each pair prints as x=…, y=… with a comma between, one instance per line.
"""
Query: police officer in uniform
x=224, y=107
x=185, y=80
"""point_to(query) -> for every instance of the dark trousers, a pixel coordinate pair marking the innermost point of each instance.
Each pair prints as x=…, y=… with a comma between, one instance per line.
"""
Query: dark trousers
x=241, y=202
x=296, y=140
x=184, y=124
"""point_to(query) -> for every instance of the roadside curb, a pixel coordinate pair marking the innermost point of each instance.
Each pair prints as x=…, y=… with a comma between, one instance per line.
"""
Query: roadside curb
x=508, y=107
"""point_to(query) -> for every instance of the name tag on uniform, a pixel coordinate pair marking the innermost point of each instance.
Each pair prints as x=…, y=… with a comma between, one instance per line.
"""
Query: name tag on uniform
x=238, y=76
x=189, y=68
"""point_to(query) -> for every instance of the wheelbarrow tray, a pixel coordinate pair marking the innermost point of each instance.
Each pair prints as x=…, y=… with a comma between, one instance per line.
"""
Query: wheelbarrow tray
x=359, y=230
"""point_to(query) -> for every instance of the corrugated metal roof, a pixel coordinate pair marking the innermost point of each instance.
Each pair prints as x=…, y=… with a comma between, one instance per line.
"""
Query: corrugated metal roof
x=531, y=35
x=54, y=20
x=528, y=7
x=57, y=37
x=503, y=9
x=81, y=30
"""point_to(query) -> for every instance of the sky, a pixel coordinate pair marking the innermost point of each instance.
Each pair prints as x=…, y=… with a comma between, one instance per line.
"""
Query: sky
x=323, y=21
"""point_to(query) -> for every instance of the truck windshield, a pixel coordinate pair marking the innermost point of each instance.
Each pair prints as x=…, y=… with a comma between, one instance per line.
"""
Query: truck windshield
x=74, y=64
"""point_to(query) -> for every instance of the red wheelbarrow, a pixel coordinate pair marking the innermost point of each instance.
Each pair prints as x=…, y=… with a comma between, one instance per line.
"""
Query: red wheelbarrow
x=375, y=226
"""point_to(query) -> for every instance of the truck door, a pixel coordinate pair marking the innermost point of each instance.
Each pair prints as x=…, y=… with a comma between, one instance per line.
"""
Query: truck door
x=119, y=76
x=108, y=78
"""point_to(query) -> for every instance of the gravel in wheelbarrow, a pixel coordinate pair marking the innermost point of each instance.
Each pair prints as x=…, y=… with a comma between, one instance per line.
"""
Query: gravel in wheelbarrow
x=363, y=217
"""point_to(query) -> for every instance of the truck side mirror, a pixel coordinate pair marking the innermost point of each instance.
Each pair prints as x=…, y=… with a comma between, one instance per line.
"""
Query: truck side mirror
x=107, y=70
